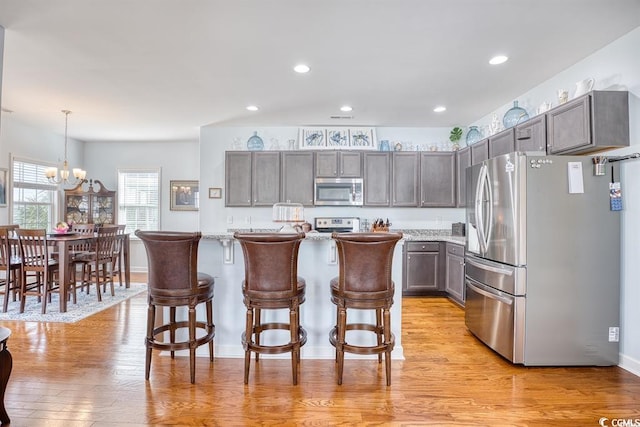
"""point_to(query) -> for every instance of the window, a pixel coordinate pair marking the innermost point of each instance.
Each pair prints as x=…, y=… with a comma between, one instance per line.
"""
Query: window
x=35, y=201
x=139, y=199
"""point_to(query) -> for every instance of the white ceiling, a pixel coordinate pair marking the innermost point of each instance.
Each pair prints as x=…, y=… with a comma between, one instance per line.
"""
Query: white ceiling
x=160, y=69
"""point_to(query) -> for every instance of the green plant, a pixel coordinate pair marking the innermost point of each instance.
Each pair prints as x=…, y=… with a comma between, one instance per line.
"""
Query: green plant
x=456, y=134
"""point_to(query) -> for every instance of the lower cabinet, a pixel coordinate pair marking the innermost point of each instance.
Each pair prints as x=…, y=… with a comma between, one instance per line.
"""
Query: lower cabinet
x=433, y=269
x=454, y=272
x=422, y=269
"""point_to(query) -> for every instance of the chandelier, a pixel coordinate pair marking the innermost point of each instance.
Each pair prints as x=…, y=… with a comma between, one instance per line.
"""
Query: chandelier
x=52, y=173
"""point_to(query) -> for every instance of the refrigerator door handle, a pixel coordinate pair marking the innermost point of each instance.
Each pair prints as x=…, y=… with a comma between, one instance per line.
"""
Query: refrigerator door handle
x=502, y=271
x=479, y=209
x=489, y=229
x=477, y=287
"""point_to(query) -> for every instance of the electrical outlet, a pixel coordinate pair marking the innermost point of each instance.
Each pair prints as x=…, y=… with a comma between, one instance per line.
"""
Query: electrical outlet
x=614, y=334
x=229, y=219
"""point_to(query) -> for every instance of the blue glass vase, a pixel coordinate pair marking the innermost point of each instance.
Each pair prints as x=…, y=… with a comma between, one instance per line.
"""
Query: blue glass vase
x=514, y=116
x=255, y=143
x=384, y=145
x=473, y=135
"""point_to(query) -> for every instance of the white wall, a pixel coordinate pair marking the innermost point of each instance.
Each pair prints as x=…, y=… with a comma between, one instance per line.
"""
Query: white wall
x=20, y=140
x=614, y=67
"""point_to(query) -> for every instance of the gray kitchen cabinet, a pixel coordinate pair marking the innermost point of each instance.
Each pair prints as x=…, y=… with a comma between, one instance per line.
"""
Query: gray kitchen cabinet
x=265, y=173
x=480, y=151
x=297, y=177
x=338, y=164
x=405, y=175
x=438, y=179
x=502, y=143
x=237, y=166
x=454, y=272
x=421, y=269
x=252, y=178
x=593, y=122
x=532, y=135
x=377, y=179
x=463, y=161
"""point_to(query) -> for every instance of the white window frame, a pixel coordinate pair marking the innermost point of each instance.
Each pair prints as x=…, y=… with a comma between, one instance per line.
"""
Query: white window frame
x=42, y=185
x=123, y=206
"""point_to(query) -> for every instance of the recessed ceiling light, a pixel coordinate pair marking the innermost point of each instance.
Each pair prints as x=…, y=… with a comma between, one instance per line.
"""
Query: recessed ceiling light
x=252, y=108
x=301, y=68
x=498, y=59
x=346, y=108
x=440, y=109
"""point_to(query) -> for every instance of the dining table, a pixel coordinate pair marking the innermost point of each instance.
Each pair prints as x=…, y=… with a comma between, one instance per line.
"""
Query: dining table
x=64, y=243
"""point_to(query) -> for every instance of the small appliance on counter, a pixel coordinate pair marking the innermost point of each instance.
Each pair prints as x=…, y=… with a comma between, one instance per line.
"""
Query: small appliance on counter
x=338, y=224
x=457, y=229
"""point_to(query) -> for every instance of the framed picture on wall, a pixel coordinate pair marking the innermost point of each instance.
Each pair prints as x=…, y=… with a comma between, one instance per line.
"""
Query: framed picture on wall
x=313, y=138
x=184, y=196
x=362, y=138
x=338, y=138
x=215, y=193
x=3, y=186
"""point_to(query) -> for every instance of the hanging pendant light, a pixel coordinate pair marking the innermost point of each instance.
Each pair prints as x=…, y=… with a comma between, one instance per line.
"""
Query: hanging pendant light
x=52, y=173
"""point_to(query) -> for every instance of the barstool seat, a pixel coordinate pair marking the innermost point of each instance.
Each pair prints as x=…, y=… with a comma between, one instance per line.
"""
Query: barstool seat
x=364, y=283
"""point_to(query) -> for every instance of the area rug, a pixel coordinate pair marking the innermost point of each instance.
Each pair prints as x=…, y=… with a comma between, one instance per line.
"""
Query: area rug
x=85, y=307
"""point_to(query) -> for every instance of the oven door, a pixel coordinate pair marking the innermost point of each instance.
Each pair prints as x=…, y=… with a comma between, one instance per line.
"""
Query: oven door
x=496, y=318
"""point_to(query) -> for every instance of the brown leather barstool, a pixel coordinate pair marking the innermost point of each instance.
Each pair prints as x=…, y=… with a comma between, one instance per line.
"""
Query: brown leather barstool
x=271, y=282
x=364, y=283
x=173, y=282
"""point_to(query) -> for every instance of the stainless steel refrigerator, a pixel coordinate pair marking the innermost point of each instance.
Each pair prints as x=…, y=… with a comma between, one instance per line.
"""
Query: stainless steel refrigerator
x=543, y=260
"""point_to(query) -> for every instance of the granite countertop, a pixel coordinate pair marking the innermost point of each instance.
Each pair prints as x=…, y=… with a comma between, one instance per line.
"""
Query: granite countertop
x=408, y=234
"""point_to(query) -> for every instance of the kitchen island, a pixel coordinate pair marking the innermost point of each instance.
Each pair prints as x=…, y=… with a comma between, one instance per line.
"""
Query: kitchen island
x=221, y=256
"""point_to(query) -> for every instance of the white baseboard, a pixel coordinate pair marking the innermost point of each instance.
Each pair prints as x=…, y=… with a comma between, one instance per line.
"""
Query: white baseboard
x=630, y=364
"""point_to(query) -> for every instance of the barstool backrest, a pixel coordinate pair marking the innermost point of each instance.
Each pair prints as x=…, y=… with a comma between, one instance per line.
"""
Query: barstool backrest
x=365, y=260
x=172, y=263
x=270, y=261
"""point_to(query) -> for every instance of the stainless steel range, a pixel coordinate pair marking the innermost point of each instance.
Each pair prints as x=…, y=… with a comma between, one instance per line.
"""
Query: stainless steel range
x=339, y=224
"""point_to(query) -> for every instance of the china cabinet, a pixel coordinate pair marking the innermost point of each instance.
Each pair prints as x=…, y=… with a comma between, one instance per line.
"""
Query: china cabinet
x=90, y=206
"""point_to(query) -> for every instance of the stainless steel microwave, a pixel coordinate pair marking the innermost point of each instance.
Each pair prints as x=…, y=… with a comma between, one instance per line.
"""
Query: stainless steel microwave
x=338, y=192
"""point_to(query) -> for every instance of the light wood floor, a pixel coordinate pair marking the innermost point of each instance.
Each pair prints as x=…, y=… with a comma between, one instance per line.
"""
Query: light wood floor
x=91, y=373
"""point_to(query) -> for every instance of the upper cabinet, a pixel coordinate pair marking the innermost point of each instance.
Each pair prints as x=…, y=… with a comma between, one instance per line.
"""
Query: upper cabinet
x=532, y=134
x=502, y=143
x=596, y=121
x=297, y=177
x=463, y=161
x=90, y=206
x=252, y=178
x=438, y=179
x=338, y=164
x=480, y=151
x=377, y=178
x=405, y=178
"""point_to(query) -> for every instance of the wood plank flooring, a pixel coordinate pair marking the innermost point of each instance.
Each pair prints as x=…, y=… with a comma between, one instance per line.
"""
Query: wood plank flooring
x=91, y=373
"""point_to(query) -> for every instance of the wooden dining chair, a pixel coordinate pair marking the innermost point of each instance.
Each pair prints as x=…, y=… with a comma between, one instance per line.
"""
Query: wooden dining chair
x=38, y=268
x=99, y=260
x=10, y=264
x=116, y=264
x=81, y=254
